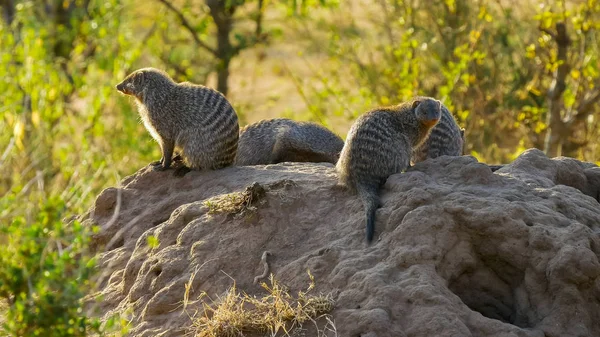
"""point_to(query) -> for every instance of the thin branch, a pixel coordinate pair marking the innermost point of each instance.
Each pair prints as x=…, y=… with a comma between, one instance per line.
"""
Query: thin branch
x=149, y=34
x=178, y=69
x=548, y=31
x=556, y=132
x=185, y=23
x=259, y=18
x=585, y=108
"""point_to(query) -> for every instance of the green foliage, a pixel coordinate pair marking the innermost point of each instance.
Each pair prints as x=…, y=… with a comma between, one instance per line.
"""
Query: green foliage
x=55, y=104
x=491, y=64
x=57, y=71
x=582, y=22
x=44, y=275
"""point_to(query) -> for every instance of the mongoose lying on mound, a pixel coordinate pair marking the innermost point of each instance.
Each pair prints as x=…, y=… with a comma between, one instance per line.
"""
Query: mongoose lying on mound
x=280, y=139
x=380, y=144
x=445, y=139
x=197, y=121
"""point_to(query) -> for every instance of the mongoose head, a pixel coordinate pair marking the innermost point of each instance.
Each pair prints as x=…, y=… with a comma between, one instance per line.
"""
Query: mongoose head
x=428, y=111
x=138, y=82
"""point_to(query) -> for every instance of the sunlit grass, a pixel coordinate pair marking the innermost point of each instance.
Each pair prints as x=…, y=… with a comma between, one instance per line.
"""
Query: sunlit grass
x=235, y=313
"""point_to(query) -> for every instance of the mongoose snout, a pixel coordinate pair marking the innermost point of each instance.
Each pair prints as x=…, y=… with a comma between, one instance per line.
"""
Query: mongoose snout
x=428, y=111
x=121, y=88
x=446, y=139
x=132, y=84
x=431, y=122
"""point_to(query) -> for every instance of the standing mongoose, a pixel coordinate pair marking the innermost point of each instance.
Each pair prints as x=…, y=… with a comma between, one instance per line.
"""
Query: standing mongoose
x=195, y=120
x=380, y=144
x=445, y=139
x=279, y=140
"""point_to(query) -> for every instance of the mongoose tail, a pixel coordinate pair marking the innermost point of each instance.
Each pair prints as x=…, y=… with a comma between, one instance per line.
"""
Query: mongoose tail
x=307, y=142
x=370, y=198
x=295, y=148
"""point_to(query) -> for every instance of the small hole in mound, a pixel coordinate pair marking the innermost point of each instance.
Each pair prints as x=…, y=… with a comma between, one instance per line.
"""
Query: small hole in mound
x=490, y=290
x=157, y=271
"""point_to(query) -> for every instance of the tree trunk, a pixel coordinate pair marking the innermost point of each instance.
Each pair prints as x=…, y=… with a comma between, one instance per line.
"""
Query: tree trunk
x=8, y=11
x=222, y=15
x=557, y=131
x=223, y=77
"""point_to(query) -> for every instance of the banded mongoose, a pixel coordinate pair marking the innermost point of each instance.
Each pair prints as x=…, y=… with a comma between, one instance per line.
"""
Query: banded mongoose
x=380, y=144
x=280, y=139
x=445, y=139
x=197, y=121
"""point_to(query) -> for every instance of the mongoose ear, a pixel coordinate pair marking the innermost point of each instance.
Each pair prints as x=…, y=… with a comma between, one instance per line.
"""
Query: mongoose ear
x=416, y=104
x=139, y=76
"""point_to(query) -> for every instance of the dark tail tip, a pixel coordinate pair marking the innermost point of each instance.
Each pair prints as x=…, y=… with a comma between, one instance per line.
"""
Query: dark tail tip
x=371, y=221
x=370, y=229
x=370, y=198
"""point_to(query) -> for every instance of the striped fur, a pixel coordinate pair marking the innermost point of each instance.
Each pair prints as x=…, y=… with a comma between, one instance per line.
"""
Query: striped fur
x=194, y=120
x=446, y=139
x=379, y=144
x=284, y=140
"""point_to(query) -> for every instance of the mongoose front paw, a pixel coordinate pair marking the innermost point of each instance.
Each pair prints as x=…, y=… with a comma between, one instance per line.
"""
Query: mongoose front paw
x=159, y=168
x=155, y=163
x=181, y=171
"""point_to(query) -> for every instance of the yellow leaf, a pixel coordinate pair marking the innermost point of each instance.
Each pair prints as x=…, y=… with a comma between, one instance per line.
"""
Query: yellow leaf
x=530, y=51
x=474, y=36
x=540, y=127
x=586, y=26
x=19, y=133
x=575, y=74
x=476, y=155
x=35, y=118
x=10, y=118
x=52, y=94
x=534, y=90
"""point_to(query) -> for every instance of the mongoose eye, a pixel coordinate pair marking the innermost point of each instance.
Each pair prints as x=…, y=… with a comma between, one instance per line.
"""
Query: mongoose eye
x=416, y=104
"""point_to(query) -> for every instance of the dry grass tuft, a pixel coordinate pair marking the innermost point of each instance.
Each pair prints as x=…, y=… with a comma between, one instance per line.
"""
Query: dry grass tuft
x=3, y=311
x=237, y=203
x=238, y=313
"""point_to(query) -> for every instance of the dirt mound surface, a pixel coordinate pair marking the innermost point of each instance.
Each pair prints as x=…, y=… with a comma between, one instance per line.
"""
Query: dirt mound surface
x=458, y=251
